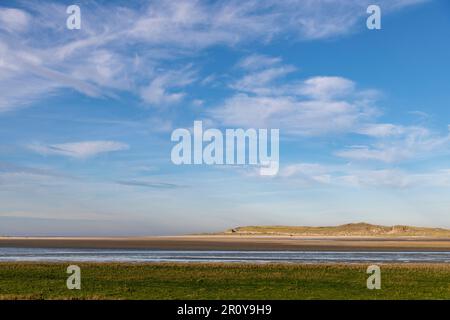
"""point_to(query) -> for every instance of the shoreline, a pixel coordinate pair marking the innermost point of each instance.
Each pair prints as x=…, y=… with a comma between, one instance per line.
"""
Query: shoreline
x=235, y=265
x=234, y=243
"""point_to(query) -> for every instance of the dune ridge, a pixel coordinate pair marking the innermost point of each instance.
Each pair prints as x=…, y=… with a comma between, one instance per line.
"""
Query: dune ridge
x=361, y=229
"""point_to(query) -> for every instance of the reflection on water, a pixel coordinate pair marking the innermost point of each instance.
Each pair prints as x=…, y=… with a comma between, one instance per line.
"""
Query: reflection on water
x=113, y=255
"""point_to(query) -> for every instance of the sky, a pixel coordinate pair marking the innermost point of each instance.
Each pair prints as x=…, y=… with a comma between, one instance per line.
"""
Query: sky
x=86, y=115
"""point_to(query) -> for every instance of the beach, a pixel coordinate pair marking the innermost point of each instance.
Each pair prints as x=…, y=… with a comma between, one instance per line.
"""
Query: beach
x=231, y=242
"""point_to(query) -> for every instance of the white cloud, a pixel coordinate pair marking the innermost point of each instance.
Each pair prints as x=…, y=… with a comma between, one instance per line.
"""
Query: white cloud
x=260, y=82
x=397, y=143
x=95, y=61
x=13, y=20
x=291, y=115
x=395, y=178
x=318, y=19
x=80, y=150
x=381, y=130
x=258, y=61
x=307, y=173
x=106, y=69
x=25, y=77
x=198, y=103
x=310, y=174
x=160, y=90
x=325, y=88
x=384, y=154
x=314, y=106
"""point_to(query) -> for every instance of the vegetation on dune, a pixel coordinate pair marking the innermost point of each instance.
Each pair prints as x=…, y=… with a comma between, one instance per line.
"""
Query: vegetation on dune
x=223, y=281
x=351, y=229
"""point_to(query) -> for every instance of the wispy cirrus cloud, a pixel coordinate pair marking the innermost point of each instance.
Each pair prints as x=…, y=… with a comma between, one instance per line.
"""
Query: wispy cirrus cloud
x=14, y=20
x=258, y=61
x=396, y=143
x=261, y=82
x=37, y=51
x=315, y=174
x=149, y=184
x=164, y=89
x=17, y=177
x=79, y=150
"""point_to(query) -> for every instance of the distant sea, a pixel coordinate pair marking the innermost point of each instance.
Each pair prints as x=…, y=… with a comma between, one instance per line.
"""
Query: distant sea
x=135, y=256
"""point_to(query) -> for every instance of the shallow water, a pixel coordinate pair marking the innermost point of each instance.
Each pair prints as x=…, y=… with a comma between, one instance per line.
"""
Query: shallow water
x=116, y=255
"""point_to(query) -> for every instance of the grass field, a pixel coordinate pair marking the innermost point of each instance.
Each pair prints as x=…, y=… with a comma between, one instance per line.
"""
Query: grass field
x=222, y=281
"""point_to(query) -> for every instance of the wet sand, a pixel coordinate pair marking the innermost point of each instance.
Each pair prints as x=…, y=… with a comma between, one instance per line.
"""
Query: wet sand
x=231, y=242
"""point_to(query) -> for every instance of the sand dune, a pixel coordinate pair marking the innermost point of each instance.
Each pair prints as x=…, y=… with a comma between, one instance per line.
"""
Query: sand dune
x=351, y=229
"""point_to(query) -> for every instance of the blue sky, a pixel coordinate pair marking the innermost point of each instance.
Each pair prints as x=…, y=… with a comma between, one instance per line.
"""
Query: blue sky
x=86, y=115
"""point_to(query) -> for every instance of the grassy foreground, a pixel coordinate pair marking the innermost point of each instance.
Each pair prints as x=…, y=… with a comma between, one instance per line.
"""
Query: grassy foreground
x=222, y=281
